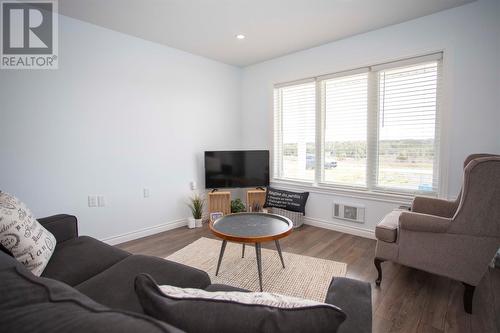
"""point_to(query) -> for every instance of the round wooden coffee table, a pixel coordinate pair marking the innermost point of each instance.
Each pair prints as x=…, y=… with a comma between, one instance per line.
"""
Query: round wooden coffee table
x=251, y=228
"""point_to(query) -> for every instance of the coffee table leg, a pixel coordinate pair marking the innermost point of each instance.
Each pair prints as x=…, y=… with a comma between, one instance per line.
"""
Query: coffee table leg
x=277, y=242
x=259, y=263
x=243, y=251
x=221, y=254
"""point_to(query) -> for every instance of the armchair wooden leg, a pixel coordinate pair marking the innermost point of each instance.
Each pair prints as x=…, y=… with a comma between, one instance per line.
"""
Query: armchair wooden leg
x=468, y=296
x=377, y=262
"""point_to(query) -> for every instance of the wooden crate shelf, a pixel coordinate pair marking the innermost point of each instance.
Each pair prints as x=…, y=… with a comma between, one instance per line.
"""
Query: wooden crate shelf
x=254, y=196
x=219, y=202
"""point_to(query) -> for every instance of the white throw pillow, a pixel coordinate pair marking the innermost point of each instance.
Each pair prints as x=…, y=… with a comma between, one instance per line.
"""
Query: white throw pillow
x=30, y=243
x=260, y=298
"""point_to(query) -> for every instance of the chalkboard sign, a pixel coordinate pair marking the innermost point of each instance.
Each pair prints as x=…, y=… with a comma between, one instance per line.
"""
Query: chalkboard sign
x=293, y=201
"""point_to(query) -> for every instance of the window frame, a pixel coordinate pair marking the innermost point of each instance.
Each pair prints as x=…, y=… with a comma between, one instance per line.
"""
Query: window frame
x=372, y=165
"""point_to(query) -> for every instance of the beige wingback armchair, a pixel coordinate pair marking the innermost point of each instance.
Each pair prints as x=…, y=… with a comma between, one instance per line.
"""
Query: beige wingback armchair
x=456, y=239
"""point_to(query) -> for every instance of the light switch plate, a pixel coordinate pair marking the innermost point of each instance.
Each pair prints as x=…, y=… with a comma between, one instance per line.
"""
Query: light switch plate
x=92, y=201
x=145, y=193
x=100, y=201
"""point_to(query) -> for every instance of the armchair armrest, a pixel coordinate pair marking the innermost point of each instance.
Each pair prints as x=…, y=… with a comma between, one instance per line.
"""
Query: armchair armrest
x=433, y=206
x=62, y=226
x=423, y=222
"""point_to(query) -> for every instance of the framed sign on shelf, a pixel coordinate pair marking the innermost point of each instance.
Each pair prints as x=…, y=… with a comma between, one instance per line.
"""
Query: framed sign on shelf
x=215, y=215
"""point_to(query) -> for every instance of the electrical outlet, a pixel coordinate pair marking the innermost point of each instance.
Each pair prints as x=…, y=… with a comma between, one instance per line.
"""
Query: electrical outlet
x=100, y=201
x=145, y=193
x=92, y=201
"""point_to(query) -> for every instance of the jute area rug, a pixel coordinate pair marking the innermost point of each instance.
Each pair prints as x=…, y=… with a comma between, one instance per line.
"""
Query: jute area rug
x=304, y=277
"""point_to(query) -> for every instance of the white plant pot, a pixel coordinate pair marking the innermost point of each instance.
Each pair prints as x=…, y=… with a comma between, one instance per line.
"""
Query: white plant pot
x=199, y=223
x=191, y=222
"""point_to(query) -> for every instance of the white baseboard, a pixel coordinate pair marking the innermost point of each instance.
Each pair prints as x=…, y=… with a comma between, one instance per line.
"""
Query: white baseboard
x=128, y=236
x=347, y=229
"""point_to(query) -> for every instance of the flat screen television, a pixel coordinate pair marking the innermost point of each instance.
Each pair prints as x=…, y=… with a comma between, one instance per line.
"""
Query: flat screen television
x=236, y=168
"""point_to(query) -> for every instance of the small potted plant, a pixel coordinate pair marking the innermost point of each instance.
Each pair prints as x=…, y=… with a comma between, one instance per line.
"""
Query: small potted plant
x=237, y=206
x=196, y=205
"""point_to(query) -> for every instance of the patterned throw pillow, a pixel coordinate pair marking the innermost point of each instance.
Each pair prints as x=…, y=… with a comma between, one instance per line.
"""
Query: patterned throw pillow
x=20, y=233
x=288, y=200
x=259, y=298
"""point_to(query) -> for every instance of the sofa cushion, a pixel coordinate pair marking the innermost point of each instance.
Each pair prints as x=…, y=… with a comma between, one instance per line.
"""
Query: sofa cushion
x=7, y=261
x=79, y=259
x=115, y=286
x=72, y=317
x=21, y=234
x=201, y=311
x=33, y=304
x=387, y=229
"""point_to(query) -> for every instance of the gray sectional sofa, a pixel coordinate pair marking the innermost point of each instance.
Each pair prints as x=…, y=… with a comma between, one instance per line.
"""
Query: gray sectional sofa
x=88, y=286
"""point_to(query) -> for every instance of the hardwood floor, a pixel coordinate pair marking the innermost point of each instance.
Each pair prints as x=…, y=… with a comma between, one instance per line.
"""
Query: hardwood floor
x=408, y=300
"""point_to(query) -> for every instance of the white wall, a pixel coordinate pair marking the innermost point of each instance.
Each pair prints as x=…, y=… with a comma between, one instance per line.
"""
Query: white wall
x=119, y=114
x=470, y=38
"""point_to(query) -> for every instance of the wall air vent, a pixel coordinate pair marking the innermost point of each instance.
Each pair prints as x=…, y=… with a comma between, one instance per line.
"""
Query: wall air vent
x=349, y=212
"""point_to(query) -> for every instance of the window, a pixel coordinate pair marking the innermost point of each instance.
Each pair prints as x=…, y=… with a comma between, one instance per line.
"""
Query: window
x=297, y=130
x=345, y=104
x=407, y=119
x=373, y=128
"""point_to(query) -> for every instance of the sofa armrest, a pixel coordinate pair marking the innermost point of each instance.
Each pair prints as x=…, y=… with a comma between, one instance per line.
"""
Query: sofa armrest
x=433, y=206
x=355, y=299
x=62, y=226
x=423, y=222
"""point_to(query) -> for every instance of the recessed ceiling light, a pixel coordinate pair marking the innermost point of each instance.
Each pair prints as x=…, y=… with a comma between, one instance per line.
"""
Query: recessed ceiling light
x=240, y=36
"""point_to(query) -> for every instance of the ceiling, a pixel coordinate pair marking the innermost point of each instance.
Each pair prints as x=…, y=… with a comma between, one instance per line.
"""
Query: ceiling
x=272, y=27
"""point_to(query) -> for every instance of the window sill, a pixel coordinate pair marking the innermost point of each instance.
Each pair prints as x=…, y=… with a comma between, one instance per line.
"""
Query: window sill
x=396, y=198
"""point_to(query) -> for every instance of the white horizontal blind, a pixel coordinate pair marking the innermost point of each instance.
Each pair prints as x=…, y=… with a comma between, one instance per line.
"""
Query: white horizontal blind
x=407, y=144
x=376, y=128
x=294, y=139
x=344, y=103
